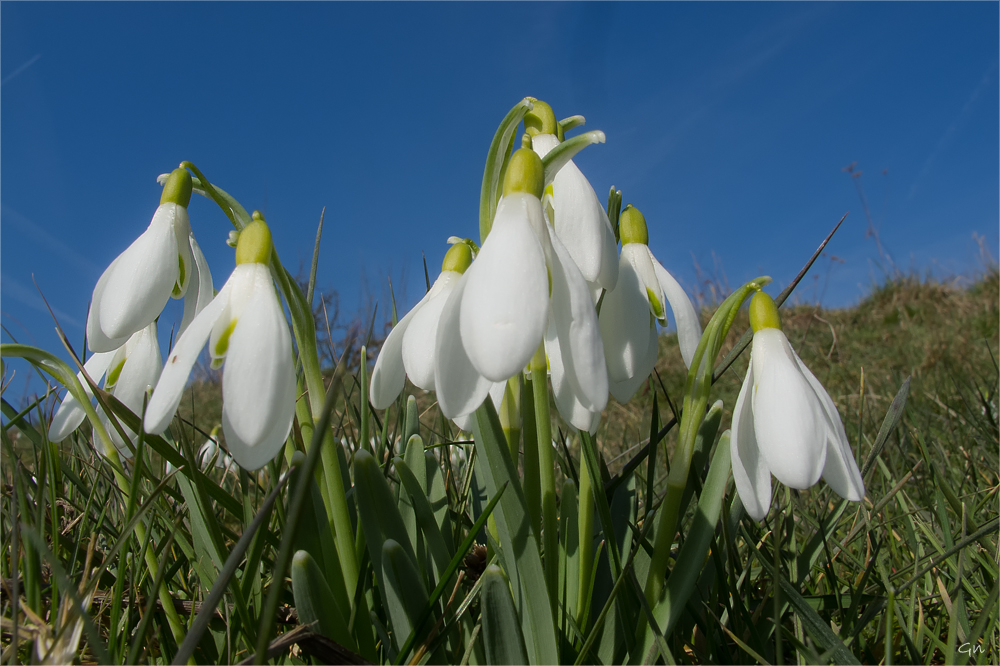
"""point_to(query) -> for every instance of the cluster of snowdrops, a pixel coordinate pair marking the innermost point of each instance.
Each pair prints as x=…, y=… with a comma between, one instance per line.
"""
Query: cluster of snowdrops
x=554, y=285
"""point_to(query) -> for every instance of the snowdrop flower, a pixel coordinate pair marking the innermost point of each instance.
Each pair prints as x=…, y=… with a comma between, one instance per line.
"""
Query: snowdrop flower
x=409, y=348
x=163, y=262
x=132, y=370
x=580, y=221
x=523, y=288
x=628, y=311
x=785, y=423
x=245, y=326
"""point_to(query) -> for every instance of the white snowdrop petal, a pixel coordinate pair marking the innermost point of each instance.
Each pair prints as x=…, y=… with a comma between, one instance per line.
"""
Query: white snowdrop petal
x=752, y=477
x=388, y=376
x=583, y=226
x=139, y=374
x=841, y=470
x=569, y=406
x=459, y=386
x=421, y=334
x=97, y=341
x=789, y=425
x=625, y=326
x=578, y=331
x=624, y=390
x=505, y=302
x=685, y=316
x=200, y=290
x=70, y=414
x=258, y=382
x=181, y=359
x=142, y=279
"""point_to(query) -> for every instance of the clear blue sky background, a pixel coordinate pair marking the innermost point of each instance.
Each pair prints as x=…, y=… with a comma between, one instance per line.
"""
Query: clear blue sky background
x=728, y=125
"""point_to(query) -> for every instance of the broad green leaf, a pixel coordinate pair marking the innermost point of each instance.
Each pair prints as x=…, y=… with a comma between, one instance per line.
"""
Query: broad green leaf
x=501, y=628
x=314, y=601
x=519, y=543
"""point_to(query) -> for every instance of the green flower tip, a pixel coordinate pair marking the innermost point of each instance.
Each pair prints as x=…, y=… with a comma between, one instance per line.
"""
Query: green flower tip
x=763, y=312
x=541, y=120
x=458, y=258
x=525, y=173
x=632, y=226
x=177, y=189
x=254, y=245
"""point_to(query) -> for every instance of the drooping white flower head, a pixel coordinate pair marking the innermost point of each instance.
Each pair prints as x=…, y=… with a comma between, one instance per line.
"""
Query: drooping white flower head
x=522, y=288
x=580, y=220
x=408, y=350
x=246, y=328
x=163, y=262
x=132, y=370
x=785, y=423
x=629, y=312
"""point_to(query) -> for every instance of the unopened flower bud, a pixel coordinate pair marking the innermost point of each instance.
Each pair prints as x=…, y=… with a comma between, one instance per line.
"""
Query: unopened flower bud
x=763, y=312
x=632, y=226
x=177, y=189
x=458, y=258
x=525, y=173
x=540, y=120
x=254, y=245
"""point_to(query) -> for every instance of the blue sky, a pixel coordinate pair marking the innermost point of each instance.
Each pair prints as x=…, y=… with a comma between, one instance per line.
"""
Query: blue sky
x=728, y=125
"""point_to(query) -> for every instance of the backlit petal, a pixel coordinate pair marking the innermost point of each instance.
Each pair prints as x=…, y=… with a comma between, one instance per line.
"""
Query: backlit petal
x=181, y=359
x=750, y=472
x=841, y=471
x=70, y=414
x=420, y=336
x=388, y=376
x=142, y=278
x=685, y=316
x=567, y=402
x=578, y=331
x=625, y=326
x=139, y=374
x=459, y=386
x=258, y=383
x=788, y=420
x=624, y=390
x=505, y=301
x=97, y=341
x=199, y=291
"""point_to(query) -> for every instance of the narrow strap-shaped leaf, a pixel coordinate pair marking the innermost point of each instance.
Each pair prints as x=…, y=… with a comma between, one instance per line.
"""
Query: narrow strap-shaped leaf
x=501, y=631
x=404, y=589
x=518, y=541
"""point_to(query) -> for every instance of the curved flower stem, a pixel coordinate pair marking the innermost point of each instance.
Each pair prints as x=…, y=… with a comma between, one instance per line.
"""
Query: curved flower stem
x=547, y=474
x=697, y=389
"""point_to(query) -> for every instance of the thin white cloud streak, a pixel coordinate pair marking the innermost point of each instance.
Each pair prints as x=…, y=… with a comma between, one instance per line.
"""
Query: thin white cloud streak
x=945, y=141
x=49, y=242
x=20, y=69
x=31, y=298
